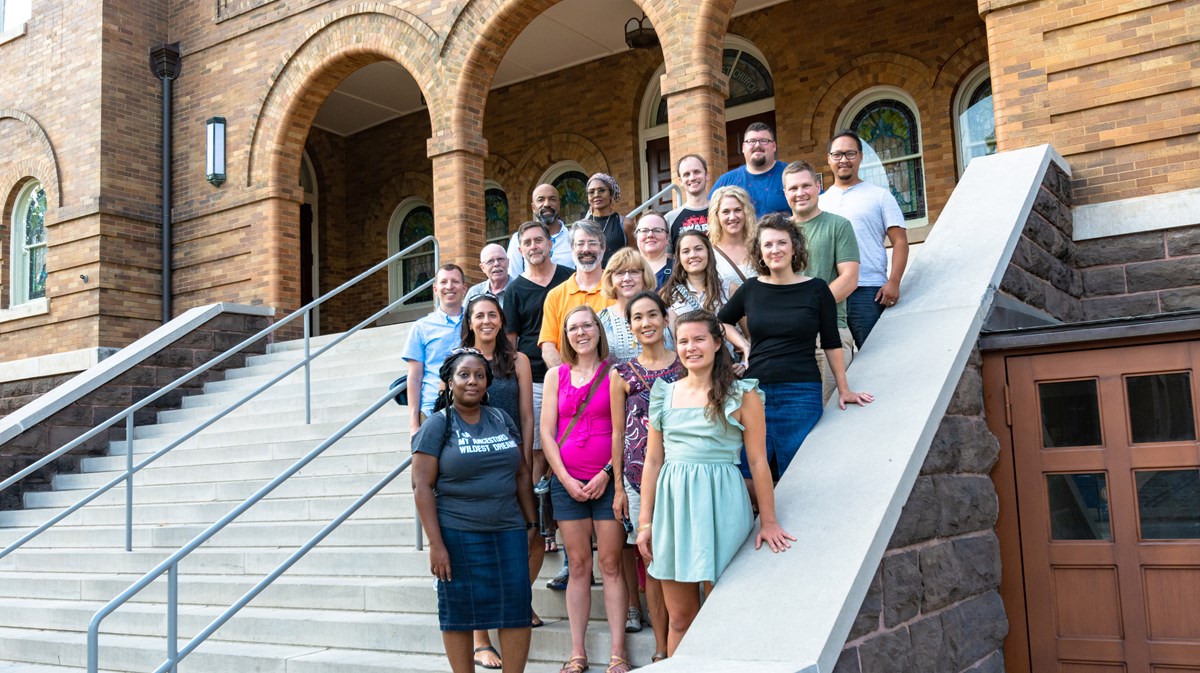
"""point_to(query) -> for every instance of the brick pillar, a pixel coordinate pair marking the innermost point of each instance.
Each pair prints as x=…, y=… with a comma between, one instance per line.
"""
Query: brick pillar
x=458, y=210
x=696, y=114
x=278, y=281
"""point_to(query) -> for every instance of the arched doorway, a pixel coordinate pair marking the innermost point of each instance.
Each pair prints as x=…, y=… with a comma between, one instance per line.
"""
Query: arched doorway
x=751, y=99
x=310, y=265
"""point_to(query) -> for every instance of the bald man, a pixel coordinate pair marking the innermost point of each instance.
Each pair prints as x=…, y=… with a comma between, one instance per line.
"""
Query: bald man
x=545, y=210
x=493, y=260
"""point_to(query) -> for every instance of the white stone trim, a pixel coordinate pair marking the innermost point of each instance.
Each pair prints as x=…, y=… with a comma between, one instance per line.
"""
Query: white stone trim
x=843, y=494
x=39, y=306
x=16, y=32
x=104, y=371
x=54, y=364
x=1138, y=214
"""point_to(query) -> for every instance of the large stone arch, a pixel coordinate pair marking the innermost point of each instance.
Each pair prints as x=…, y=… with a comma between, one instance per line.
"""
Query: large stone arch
x=336, y=46
x=44, y=168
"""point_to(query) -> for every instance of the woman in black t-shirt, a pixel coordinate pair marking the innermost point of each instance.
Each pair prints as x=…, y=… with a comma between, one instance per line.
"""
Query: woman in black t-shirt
x=475, y=500
x=785, y=312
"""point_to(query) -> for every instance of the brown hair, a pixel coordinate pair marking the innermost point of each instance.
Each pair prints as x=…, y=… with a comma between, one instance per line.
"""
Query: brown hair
x=504, y=355
x=677, y=281
x=722, y=380
x=778, y=222
x=569, y=355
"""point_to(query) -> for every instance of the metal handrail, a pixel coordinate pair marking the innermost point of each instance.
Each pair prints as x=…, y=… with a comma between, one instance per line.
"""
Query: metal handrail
x=650, y=201
x=128, y=414
x=170, y=565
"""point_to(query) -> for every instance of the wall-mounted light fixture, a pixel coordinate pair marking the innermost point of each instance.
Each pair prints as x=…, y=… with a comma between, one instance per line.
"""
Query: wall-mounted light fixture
x=639, y=34
x=214, y=164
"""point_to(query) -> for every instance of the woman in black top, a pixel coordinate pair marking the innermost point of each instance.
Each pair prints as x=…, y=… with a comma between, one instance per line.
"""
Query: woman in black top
x=785, y=312
x=475, y=500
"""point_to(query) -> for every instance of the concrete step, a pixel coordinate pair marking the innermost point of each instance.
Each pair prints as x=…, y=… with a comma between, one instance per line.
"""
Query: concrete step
x=344, y=377
x=382, y=332
x=272, y=415
x=383, y=420
x=335, y=364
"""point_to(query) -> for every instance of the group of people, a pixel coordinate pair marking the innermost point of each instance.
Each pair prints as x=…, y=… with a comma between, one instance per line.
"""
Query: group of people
x=662, y=373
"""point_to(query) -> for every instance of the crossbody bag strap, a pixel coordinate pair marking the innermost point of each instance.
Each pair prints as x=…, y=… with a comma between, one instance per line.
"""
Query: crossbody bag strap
x=582, y=406
x=736, y=268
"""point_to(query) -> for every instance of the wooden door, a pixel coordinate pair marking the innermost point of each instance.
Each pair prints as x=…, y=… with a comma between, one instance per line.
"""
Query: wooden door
x=1108, y=497
x=658, y=168
x=306, y=254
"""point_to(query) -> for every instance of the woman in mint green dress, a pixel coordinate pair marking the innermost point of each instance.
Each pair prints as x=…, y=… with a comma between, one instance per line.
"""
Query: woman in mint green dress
x=695, y=511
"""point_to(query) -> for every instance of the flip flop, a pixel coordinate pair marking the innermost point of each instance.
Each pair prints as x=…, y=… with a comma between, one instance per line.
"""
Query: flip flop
x=488, y=648
x=551, y=545
x=658, y=656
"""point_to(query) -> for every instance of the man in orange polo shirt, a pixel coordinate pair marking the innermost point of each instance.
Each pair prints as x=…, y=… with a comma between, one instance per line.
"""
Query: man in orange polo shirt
x=583, y=287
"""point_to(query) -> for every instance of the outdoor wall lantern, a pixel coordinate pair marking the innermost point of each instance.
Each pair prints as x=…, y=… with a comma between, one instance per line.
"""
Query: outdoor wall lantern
x=639, y=34
x=215, y=156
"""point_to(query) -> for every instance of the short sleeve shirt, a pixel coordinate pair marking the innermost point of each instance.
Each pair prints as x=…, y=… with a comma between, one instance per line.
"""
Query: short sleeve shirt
x=872, y=210
x=686, y=219
x=430, y=341
x=830, y=240
x=765, y=189
x=476, y=487
x=562, y=299
x=485, y=287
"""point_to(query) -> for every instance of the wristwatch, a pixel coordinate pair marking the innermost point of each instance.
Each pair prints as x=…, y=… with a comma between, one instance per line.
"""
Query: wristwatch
x=608, y=470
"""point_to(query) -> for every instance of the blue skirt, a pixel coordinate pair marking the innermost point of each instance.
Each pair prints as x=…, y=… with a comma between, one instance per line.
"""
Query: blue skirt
x=489, y=586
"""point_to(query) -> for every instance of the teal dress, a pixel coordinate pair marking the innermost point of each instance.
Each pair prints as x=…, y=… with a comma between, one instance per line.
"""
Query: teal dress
x=701, y=509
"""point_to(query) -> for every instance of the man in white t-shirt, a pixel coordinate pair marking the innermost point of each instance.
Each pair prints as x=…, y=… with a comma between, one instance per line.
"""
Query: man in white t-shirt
x=876, y=216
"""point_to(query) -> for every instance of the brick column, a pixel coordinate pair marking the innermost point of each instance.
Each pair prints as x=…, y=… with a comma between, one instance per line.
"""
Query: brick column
x=458, y=210
x=696, y=115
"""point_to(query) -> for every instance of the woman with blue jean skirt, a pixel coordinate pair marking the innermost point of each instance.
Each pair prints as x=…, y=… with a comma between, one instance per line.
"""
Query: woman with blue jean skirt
x=786, y=312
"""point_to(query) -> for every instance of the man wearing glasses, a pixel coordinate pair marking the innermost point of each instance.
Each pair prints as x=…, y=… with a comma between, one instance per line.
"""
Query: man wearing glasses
x=762, y=176
x=876, y=217
x=493, y=261
x=583, y=287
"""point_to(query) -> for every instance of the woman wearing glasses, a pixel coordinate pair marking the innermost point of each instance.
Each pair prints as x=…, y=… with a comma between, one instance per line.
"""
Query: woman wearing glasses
x=511, y=391
x=626, y=275
x=577, y=440
x=475, y=500
x=651, y=236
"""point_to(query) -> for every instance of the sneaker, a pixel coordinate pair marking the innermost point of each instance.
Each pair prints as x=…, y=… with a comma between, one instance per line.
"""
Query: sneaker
x=633, y=621
x=559, y=581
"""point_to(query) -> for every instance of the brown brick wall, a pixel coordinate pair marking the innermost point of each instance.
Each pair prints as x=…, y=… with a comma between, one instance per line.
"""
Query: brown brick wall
x=1111, y=84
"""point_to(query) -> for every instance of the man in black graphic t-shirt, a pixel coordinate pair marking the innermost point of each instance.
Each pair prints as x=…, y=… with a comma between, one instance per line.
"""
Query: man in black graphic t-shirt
x=693, y=214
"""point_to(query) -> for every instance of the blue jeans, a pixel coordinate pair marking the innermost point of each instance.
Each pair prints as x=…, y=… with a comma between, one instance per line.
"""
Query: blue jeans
x=862, y=312
x=792, y=410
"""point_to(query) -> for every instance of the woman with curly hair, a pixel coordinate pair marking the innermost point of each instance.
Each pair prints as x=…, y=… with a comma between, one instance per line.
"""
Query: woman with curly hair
x=785, y=312
x=695, y=512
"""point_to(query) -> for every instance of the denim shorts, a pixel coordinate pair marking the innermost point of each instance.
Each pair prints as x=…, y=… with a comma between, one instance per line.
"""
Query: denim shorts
x=567, y=508
x=792, y=410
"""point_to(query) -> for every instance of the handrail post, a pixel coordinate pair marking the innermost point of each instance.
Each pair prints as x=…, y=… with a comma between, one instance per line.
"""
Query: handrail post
x=307, y=368
x=129, y=482
x=173, y=616
x=420, y=536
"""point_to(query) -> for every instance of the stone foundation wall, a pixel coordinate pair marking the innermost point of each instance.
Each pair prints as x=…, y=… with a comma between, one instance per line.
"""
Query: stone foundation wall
x=934, y=603
x=1141, y=274
x=160, y=369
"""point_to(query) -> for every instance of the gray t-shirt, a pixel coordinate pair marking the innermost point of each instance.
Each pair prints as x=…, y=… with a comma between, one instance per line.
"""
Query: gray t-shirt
x=476, y=486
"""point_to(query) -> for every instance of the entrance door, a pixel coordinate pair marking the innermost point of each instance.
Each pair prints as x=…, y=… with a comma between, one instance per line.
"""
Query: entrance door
x=658, y=168
x=1108, y=495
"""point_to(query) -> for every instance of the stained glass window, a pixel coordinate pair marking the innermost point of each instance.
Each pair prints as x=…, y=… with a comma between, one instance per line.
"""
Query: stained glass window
x=416, y=267
x=29, y=246
x=749, y=81
x=976, y=124
x=495, y=203
x=572, y=196
x=893, y=159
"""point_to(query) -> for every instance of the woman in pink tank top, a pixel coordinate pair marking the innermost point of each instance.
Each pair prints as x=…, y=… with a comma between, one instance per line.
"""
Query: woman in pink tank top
x=578, y=447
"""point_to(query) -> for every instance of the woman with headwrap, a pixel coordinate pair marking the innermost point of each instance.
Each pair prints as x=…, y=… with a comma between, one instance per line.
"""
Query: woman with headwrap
x=603, y=194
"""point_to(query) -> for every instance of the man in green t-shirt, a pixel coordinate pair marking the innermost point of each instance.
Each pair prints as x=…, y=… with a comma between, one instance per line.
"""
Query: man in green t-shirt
x=832, y=252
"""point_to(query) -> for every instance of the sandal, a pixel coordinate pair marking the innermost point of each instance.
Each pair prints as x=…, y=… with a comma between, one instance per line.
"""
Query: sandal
x=618, y=665
x=658, y=656
x=537, y=621
x=488, y=648
x=574, y=665
x=551, y=545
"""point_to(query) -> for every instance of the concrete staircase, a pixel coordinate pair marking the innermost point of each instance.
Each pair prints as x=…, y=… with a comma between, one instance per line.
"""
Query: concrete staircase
x=362, y=602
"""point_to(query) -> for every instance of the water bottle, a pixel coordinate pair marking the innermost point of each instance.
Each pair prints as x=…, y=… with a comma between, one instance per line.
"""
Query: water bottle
x=545, y=513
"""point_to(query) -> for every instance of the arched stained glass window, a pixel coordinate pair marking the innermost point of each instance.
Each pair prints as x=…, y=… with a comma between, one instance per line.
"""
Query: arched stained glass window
x=976, y=121
x=572, y=196
x=28, y=280
x=415, y=221
x=495, y=203
x=749, y=81
x=892, y=138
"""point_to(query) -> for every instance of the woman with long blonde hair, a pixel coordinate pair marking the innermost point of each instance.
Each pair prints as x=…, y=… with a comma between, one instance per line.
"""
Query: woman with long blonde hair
x=731, y=225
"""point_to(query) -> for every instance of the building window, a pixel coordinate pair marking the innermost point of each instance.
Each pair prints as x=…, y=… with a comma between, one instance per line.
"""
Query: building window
x=13, y=14
x=750, y=81
x=28, y=280
x=572, y=195
x=495, y=202
x=975, y=121
x=887, y=121
x=411, y=221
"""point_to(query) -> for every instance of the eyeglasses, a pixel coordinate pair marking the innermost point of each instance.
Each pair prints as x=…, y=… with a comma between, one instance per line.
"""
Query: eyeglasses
x=627, y=272
x=494, y=261
x=464, y=350
x=657, y=231
x=761, y=142
x=838, y=156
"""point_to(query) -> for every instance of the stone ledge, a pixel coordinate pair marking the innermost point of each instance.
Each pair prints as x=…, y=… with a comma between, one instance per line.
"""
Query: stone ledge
x=26, y=310
x=69, y=362
x=1142, y=213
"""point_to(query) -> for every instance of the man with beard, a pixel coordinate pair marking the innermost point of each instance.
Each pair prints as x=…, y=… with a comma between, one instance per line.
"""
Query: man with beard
x=545, y=210
x=762, y=176
x=693, y=214
x=494, y=264
x=587, y=247
x=876, y=216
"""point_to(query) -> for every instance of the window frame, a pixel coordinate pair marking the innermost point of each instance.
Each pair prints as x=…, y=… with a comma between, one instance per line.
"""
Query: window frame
x=962, y=98
x=21, y=259
x=881, y=93
x=488, y=186
x=396, y=269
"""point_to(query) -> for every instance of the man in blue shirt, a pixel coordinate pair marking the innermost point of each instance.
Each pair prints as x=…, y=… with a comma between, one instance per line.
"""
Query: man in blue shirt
x=431, y=340
x=762, y=176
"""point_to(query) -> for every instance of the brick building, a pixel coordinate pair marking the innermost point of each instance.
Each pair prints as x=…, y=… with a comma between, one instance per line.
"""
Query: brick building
x=355, y=127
